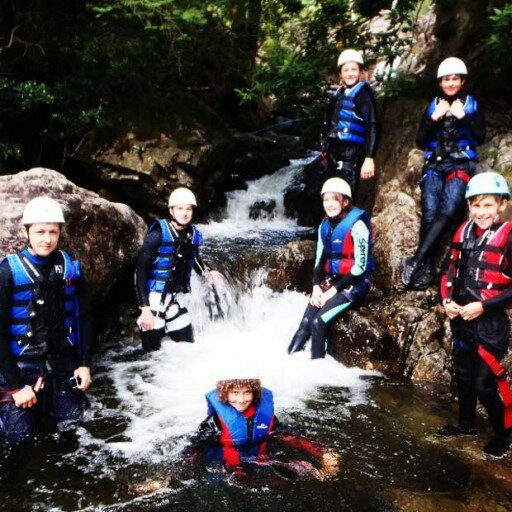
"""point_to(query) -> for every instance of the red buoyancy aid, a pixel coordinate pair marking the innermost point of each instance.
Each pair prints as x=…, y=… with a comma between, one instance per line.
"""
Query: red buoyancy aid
x=479, y=264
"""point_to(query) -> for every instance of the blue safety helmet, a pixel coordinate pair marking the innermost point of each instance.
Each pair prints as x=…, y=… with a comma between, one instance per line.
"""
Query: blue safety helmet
x=487, y=183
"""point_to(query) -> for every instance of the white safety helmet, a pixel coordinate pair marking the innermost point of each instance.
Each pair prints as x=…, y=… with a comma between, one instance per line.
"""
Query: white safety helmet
x=487, y=183
x=350, y=56
x=182, y=195
x=42, y=210
x=452, y=66
x=337, y=186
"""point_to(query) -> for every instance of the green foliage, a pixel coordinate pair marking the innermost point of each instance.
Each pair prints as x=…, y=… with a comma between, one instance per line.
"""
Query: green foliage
x=398, y=84
x=500, y=40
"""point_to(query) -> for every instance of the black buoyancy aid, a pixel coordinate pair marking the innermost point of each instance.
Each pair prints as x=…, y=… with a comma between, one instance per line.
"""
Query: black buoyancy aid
x=338, y=244
x=169, y=254
x=45, y=313
x=478, y=264
x=451, y=138
x=349, y=126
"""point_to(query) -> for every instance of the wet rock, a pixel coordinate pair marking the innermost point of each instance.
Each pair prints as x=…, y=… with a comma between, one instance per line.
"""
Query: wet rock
x=359, y=339
x=104, y=236
x=396, y=229
x=263, y=210
x=143, y=172
x=291, y=267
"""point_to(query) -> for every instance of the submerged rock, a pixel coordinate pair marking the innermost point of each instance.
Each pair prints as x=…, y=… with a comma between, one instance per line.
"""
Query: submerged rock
x=104, y=236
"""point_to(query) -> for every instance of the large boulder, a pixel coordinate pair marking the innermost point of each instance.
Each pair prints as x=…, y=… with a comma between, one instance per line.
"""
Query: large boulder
x=104, y=236
x=142, y=172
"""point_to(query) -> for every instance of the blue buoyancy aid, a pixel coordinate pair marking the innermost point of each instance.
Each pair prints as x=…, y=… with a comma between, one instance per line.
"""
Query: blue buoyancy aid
x=27, y=302
x=338, y=244
x=458, y=137
x=350, y=127
x=162, y=270
x=234, y=424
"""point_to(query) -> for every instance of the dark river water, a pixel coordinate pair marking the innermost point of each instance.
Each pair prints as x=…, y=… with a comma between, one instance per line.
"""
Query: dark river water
x=127, y=454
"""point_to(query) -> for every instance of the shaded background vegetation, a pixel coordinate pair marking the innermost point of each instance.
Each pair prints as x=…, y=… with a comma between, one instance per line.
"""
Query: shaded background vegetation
x=76, y=74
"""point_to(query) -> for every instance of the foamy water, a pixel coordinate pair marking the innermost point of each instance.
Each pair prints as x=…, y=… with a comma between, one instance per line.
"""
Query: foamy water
x=162, y=396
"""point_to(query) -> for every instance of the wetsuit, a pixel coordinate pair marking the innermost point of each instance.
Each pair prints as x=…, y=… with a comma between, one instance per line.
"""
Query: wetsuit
x=450, y=156
x=210, y=444
x=349, y=274
x=171, y=318
x=474, y=377
x=352, y=133
x=49, y=354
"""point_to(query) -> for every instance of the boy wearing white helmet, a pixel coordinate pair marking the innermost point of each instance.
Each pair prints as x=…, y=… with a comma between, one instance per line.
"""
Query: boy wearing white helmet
x=450, y=130
x=476, y=289
x=343, y=266
x=45, y=332
x=169, y=253
x=351, y=124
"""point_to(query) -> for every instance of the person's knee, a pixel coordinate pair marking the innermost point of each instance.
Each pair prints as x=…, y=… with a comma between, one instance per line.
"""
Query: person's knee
x=17, y=425
x=69, y=405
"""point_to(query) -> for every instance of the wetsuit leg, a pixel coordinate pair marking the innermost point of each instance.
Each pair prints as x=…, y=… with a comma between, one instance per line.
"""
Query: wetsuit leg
x=431, y=191
x=178, y=325
x=322, y=319
x=16, y=424
x=304, y=331
x=152, y=339
x=452, y=198
x=488, y=394
x=464, y=362
x=68, y=404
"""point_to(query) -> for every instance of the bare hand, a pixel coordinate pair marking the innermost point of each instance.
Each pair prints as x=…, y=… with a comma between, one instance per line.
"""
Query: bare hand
x=26, y=397
x=441, y=109
x=330, y=464
x=457, y=109
x=451, y=308
x=83, y=375
x=471, y=311
x=315, y=296
x=213, y=276
x=329, y=294
x=368, y=169
x=146, y=319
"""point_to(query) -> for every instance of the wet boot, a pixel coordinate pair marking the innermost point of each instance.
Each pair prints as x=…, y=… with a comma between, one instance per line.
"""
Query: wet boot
x=410, y=266
x=300, y=337
x=424, y=277
x=497, y=447
x=450, y=430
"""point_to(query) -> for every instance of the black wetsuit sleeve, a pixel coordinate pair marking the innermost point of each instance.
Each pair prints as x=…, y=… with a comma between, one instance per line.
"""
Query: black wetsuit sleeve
x=426, y=130
x=8, y=366
x=85, y=323
x=504, y=299
x=345, y=281
x=367, y=107
x=475, y=124
x=147, y=255
x=318, y=271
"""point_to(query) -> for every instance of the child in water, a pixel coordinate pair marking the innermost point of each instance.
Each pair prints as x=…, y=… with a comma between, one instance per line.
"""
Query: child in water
x=343, y=266
x=240, y=425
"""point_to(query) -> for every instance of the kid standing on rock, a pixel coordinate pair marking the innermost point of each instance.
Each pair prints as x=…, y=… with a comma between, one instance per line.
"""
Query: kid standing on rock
x=451, y=128
x=476, y=287
x=352, y=124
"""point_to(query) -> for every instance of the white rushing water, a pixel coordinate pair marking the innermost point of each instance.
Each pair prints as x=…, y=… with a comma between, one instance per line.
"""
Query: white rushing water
x=162, y=395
